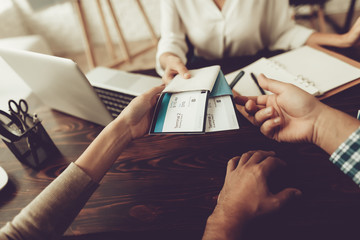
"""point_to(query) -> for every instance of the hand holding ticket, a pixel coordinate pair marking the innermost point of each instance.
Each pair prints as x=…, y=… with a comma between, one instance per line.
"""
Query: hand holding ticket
x=203, y=103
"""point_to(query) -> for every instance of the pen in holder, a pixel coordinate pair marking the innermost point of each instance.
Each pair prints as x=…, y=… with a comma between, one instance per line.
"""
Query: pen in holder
x=25, y=136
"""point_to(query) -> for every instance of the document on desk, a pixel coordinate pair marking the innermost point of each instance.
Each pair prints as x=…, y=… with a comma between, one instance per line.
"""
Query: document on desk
x=310, y=69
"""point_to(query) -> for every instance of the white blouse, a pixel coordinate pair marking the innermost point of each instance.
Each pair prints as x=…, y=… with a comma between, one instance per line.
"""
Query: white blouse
x=242, y=27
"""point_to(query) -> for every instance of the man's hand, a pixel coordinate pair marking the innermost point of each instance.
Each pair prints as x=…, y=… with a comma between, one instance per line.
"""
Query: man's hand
x=289, y=114
x=245, y=194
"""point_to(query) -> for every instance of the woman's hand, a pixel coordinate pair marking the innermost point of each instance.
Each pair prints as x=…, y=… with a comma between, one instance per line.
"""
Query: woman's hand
x=133, y=122
x=173, y=66
x=137, y=115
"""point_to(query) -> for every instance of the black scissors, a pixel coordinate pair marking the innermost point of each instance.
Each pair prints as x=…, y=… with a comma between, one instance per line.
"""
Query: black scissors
x=20, y=110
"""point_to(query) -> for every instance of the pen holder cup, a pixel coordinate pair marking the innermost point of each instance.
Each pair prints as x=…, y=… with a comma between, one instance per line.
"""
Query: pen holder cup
x=34, y=148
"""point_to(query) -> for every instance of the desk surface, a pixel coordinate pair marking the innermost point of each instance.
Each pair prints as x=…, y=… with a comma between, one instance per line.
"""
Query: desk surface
x=166, y=186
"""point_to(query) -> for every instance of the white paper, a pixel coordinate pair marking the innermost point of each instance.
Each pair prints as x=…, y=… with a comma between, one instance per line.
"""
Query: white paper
x=201, y=79
x=247, y=87
x=326, y=71
x=310, y=69
x=185, y=112
x=221, y=115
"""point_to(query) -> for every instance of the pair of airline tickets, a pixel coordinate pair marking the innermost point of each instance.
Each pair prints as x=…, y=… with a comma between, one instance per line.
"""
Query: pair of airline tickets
x=203, y=103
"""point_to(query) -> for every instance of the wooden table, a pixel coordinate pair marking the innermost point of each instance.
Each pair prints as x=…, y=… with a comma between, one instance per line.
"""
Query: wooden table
x=165, y=187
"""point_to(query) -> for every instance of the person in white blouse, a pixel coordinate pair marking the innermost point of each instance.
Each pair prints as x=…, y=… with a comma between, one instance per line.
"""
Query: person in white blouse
x=219, y=29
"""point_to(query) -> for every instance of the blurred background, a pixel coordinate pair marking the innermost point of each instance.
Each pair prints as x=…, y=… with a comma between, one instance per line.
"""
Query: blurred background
x=56, y=23
x=121, y=34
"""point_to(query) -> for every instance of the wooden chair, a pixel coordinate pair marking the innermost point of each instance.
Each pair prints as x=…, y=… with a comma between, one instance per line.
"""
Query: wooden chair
x=317, y=12
x=324, y=18
x=89, y=49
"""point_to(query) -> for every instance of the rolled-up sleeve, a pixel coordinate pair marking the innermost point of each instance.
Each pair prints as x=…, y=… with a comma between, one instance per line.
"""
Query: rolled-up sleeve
x=172, y=34
x=281, y=30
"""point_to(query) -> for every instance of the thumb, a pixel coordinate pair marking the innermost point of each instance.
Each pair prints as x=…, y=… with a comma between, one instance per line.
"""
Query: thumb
x=286, y=195
x=154, y=90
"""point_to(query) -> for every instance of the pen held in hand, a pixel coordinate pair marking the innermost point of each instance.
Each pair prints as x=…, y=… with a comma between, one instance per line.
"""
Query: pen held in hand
x=257, y=84
x=236, y=79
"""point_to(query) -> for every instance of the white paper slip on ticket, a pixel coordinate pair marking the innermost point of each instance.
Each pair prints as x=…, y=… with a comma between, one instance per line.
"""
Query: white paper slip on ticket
x=221, y=115
x=182, y=112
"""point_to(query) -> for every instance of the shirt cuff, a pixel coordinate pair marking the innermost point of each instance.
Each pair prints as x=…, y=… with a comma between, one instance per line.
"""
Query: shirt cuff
x=294, y=38
x=347, y=156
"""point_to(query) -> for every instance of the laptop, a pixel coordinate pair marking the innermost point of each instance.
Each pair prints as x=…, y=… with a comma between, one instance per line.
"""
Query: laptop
x=97, y=97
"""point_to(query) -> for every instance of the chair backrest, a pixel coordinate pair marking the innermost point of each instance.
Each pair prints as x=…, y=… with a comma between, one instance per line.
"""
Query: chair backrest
x=304, y=2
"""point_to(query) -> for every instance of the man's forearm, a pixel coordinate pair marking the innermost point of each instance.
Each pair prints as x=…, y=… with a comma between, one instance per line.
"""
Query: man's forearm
x=220, y=227
x=332, y=128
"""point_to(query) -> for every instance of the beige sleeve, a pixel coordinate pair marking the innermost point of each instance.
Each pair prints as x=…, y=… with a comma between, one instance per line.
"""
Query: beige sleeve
x=53, y=210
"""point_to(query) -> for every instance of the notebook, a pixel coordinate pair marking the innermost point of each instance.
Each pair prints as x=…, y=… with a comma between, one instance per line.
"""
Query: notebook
x=201, y=104
x=59, y=83
x=310, y=69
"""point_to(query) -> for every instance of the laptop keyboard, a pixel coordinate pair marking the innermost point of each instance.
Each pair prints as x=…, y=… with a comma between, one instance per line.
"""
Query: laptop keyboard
x=115, y=102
